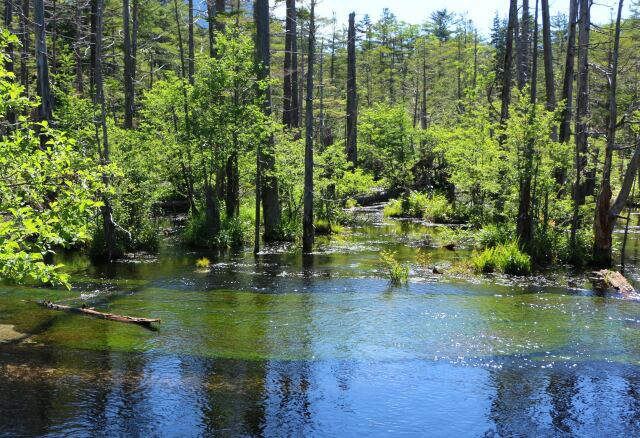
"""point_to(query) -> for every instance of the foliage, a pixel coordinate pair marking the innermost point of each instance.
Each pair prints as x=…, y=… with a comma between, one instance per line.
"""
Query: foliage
x=398, y=272
x=506, y=258
x=434, y=208
x=203, y=263
x=48, y=191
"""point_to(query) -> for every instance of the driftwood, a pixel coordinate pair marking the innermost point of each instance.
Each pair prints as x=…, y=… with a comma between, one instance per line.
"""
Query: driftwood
x=96, y=314
x=605, y=278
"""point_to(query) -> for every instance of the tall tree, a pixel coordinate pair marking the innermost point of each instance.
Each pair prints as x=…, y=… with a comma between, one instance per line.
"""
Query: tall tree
x=269, y=186
x=128, y=67
x=607, y=214
x=569, y=71
x=8, y=19
x=101, y=125
x=547, y=48
x=522, y=68
x=291, y=103
x=42, y=63
x=191, y=43
x=307, y=220
x=524, y=222
x=26, y=43
x=508, y=61
x=352, y=94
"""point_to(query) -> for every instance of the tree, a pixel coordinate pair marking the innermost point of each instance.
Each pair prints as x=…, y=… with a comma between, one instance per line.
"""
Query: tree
x=522, y=68
x=606, y=213
x=569, y=70
x=42, y=63
x=307, y=223
x=269, y=182
x=352, y=96
x=441, y=21
x=129, y=90
x=508, y=61
x=291, y=104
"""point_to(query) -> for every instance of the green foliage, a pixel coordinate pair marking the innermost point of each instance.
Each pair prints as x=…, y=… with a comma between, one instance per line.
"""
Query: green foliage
x=506, y=258
x=203, y=263
x=398, y=272
x=435, y=208
x=48, y=190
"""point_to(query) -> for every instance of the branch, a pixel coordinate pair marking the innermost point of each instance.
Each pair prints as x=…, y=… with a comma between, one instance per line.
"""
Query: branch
x=629, y=177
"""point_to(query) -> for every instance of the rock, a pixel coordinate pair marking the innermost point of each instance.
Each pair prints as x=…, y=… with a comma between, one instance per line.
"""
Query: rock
x=8, y=334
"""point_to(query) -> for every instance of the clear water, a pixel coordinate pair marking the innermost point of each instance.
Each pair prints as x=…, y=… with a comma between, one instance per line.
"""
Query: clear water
x=281, y=345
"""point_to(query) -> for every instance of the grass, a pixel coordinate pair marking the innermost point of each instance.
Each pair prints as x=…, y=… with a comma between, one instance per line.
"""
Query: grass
x=432, y=207
x=506, y=258
x=398, y=272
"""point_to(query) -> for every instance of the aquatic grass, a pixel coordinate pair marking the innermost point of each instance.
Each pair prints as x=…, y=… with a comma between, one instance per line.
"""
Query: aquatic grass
x=398, y=272
x=423, y=258
x=505, y=258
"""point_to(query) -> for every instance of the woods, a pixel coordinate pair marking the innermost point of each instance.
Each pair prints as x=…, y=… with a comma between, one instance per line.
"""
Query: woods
x=263, y=116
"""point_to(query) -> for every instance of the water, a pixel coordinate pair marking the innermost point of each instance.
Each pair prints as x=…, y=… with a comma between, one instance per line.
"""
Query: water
x=282, y=345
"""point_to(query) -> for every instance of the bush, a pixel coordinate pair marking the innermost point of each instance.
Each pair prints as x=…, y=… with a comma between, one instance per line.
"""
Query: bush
x=398, y=272
x=233, y=232
x=505, y=258
x=435, y=208
x=496, y=234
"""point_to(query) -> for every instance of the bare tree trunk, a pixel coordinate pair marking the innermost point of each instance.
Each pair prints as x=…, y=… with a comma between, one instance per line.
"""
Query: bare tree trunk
x=78, y=49
x=569, y=71
x=307, y=220
x=508, y=61
x=128, y=63
x=269, y=186
x=582, y=114
x=291, y=113
x=26, y=43
x=605, y=216
x=524, y=223
x=192, y=52
x=8, y=19
x=523, y=47
x=99, y=102
x=352, y=94
x=42, y=64
x=547, y=47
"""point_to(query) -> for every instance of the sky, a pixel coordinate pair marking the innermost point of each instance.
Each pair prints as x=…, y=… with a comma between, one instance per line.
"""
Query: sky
x=481, y=12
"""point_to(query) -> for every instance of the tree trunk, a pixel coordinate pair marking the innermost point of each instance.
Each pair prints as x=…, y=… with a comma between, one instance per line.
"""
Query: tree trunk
x=42, y=64
x=524, y=223
x=605, y=217
x=508, y=61
x=128, y=63
x=8, y=19
x=269, y=189
x=99, y=102
x=569, y=71
x=547, y=48
x=523, y=47
x=26, y=40
x=191, y=43
x=78, y=49
x=352, y=94
x=291, y=104
x=307, y=220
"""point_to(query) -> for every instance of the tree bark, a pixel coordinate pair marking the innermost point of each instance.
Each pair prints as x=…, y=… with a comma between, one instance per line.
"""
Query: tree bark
x=8, y=19
x=523, y=47
x=508, y=61
x=307, y=220
x=582, y=105
x=99, y=102
x=79, y=82
x=128, y=64
x=191, y=43
x=26, y=40
x=524, y=223
x=291, y=104
x=269, y=189
x=352, y=94
x=547, y=47
x=605, y=216
x=569, y=72
x=42, y=64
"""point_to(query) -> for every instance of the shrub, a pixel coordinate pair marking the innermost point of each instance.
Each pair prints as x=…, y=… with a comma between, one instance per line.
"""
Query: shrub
x=506, y=258
x=398, y=272
x=423, y=258
x=495, y=234
x=437, y=209
x=350, y=203
x=233, y=232
x=393, y=208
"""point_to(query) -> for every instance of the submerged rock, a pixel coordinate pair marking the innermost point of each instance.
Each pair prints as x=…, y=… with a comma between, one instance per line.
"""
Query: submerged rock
x=8, y=334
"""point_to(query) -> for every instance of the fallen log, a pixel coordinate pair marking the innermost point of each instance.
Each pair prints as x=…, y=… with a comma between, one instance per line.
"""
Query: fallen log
x=605, y=278
x=96, y=314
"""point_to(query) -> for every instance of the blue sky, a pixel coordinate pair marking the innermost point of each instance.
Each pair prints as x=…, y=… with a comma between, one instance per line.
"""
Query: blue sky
x=480, y=11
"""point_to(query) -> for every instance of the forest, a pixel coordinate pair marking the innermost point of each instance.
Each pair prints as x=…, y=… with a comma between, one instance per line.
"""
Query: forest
x=263, y=129
x=257, y=218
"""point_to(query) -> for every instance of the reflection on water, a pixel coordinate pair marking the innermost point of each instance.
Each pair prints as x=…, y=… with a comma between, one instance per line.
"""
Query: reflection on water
x=285, y=345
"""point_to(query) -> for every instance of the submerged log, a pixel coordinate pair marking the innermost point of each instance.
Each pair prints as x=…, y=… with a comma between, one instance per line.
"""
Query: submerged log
x=605, y=278
x=96, y=314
